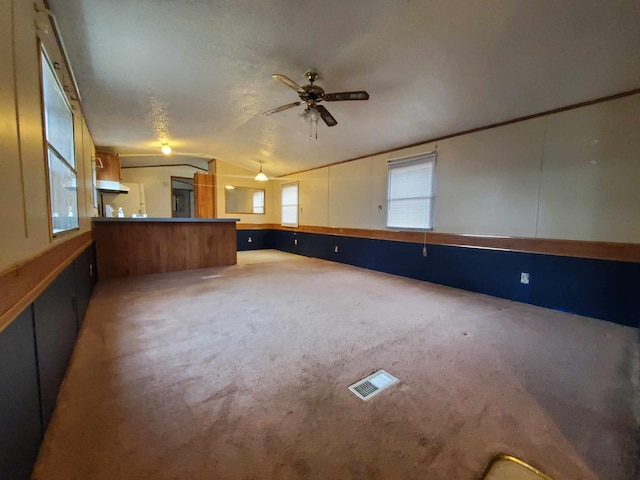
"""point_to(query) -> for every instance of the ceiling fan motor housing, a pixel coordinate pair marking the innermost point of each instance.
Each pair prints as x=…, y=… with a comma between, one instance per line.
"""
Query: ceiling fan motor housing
x=312, y=93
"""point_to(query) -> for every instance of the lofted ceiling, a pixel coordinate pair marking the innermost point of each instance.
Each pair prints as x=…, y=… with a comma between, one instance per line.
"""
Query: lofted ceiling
x=199, y=71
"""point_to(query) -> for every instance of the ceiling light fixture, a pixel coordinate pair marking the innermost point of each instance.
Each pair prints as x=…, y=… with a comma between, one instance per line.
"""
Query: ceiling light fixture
x=166, y=148
x=310, y=115
x=261, y=177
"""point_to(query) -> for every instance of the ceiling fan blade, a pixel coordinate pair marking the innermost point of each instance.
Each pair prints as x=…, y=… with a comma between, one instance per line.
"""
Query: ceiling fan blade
x=326, y=116
x=283, y=107
x=288, y=82
x=340, y=96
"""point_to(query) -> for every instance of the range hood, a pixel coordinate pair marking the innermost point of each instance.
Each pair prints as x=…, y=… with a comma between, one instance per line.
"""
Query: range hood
x=111, y=186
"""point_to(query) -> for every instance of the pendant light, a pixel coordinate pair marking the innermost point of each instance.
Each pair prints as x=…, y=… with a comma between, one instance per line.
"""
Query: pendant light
x=261, y=177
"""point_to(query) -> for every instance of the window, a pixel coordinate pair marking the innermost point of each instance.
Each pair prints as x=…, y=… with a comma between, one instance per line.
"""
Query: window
x=258, y=201
x=290, y=204
x=410, y=194
x=58, y=131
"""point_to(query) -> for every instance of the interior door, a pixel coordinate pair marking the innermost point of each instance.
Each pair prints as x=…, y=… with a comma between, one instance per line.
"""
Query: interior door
x=205, y=195
x=181, y=207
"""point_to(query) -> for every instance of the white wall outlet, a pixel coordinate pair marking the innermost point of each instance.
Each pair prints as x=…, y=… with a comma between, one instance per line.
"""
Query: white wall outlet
x=336, y=249
x=524, y=278
x=424, y=251
x=295, y=241
x=249, y=240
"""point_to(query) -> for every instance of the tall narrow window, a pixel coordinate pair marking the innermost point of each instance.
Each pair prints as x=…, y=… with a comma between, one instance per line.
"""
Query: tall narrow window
x=290, y=204
x=58, y=132
x=410, y=194
x=258, y=201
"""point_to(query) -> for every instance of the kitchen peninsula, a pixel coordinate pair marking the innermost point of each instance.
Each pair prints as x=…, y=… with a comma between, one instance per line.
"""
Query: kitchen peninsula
x=137, y=246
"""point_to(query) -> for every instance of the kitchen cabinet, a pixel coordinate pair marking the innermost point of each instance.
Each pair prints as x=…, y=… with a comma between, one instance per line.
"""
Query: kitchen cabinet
x=138, y=246
x=110, y=167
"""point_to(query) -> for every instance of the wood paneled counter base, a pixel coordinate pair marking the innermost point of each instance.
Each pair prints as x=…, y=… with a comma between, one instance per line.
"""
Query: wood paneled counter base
x=127, y=246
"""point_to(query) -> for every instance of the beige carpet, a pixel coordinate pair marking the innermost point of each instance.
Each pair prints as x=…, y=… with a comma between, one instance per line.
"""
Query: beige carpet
x=243, y=375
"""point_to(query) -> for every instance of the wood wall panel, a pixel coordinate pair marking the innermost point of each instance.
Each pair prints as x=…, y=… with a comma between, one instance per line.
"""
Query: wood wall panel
x=130, y=248
x=625, y=252
x=205, y=195
x=21, y=284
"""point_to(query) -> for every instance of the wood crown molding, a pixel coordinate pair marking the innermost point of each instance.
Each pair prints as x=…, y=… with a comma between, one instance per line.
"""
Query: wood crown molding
x=624, y=252
x=20, y=285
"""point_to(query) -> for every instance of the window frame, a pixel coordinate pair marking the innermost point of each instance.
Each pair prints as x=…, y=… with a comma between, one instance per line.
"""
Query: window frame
x=263, y=194
x=426, y=158
x=297, y=204
x=44, y=61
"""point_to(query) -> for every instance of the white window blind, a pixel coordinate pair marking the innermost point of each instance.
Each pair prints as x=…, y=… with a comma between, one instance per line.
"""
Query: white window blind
x=290, y=204
x=258, y=201
x=410, y=193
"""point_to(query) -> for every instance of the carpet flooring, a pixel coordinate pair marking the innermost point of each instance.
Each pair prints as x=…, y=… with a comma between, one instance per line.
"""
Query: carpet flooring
x=242, y=373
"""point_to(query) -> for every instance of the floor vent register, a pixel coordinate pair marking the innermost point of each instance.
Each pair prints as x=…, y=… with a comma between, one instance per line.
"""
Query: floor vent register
x=372, y=385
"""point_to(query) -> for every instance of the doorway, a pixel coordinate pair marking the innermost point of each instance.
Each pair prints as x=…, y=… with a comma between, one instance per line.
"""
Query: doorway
x=182, y=197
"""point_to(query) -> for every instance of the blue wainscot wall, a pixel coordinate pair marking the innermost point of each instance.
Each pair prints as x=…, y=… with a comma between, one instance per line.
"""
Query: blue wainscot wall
x=34, y=352
x=604, y=289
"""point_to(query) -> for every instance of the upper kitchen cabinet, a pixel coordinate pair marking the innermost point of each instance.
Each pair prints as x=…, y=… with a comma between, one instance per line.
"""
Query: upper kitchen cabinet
x=110, y=167
x=108, y=173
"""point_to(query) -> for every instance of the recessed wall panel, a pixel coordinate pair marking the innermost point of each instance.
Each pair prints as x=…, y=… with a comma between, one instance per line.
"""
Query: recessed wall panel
x=20, y=428
x=486, y=182
x=350, y=194
x=313, y=197
x=590, y=188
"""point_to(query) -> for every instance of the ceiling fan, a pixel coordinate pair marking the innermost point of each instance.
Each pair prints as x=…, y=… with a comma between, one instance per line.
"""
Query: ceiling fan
x=311, y=95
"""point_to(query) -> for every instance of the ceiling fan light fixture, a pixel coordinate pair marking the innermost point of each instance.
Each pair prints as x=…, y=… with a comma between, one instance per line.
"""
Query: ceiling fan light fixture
x=261, y=177
x=310, y=95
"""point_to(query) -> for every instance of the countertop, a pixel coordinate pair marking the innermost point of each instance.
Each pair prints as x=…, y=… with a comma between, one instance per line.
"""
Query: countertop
x=162, y=220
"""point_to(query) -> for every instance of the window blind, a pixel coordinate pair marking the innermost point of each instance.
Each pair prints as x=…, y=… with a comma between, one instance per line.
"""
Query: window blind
x=258, y=201
x=410, y=193
x=290, y=204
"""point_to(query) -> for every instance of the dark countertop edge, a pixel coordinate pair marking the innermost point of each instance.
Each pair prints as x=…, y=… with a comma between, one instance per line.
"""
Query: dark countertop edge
x=162, y=220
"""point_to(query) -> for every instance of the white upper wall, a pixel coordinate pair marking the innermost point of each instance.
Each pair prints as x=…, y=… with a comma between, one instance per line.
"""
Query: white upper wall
x=487, y=182
x=157, y=185
x=571, y=175
x=23, y=182
x=590, y=185
x=230, y=174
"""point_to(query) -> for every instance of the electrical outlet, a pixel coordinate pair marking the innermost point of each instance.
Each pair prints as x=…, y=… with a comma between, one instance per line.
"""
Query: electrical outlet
x=249, y=240
x=524, y=278
x=424, y=251
x=336, y=249
x=295, y=241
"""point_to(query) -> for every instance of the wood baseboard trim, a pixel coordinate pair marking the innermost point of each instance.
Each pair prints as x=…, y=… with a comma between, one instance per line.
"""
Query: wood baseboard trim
x=624, y=252
x=20, y=285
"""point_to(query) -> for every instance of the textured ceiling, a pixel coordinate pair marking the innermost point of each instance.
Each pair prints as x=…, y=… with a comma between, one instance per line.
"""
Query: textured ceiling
x=199, y=71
